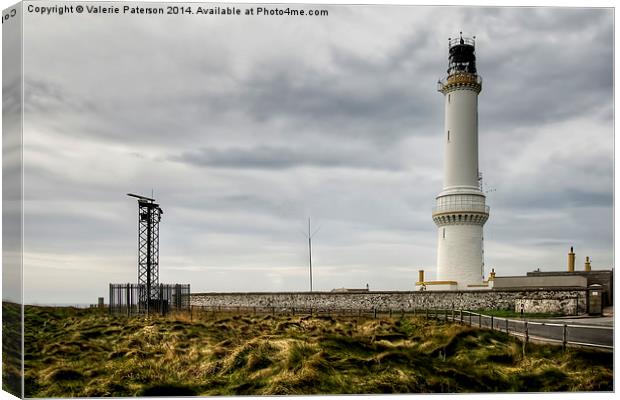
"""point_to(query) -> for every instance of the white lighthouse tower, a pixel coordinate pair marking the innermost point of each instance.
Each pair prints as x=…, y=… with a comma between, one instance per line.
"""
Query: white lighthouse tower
x=460, y=211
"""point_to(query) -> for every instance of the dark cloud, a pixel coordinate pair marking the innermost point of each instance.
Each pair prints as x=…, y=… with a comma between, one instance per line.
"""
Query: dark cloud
x=42, y=97
x=565, y=198
x=277, y=158
x=549, y=69
x=11, y=97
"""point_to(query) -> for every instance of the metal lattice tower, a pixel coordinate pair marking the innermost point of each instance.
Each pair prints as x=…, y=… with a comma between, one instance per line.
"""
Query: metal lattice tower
x=149, y=216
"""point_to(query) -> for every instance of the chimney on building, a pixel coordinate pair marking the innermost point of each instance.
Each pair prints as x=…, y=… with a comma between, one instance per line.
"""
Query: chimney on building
x=571, y=260
x=588, y=266
x=421, y=275
x=492, y=275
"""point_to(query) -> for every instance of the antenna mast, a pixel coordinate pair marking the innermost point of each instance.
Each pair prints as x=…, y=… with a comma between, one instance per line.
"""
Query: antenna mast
x=309, y=235
x=310, y=252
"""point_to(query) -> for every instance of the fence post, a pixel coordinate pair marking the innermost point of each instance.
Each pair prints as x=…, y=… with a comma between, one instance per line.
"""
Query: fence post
x=461, y=316
x=128, y=300
x=402, y=311
x=161, y=298
x=390, y=313
x=375, y=313
x=491, y=322
x=469, y=317
x=564, y=337
x=527, y=333
x=479, y=320
x=453, y=315
x=506, y=325
x=426, y=312
x=414, y=311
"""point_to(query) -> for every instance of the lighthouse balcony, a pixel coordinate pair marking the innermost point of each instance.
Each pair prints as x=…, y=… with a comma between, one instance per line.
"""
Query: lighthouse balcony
x=461, y=217
x=467, y=213
x=460, y=80
x=455, y=208
x=453, y=42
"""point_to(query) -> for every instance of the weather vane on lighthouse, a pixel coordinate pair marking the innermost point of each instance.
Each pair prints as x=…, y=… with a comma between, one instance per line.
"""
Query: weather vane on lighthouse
x=460, y=212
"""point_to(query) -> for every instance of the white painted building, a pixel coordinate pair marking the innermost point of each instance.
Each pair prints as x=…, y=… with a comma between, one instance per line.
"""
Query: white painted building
x=460, y=212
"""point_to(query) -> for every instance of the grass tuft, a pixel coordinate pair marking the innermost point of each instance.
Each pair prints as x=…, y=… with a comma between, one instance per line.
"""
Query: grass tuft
x=64, y=374
x=171, y=389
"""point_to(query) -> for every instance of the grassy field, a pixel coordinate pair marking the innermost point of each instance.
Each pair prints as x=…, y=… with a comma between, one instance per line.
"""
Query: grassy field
x=88, y=353
x=11, y=348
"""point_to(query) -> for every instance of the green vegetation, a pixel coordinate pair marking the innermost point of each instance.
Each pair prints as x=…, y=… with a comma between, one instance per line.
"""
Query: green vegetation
x=88, y=353
x=11, y=348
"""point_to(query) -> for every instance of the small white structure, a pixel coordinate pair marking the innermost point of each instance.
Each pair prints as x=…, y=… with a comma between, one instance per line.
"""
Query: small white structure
x=460, y=211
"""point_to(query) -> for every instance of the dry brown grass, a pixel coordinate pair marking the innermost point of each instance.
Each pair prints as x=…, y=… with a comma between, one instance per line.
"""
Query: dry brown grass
x=85, y=353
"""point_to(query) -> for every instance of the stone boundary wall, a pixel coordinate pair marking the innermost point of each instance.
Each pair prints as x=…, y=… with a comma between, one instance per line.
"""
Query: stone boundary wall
x=570, y=300
x=546, y=306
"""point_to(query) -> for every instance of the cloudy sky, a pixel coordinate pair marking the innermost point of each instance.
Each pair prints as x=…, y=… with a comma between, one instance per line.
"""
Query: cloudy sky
x=246, y=126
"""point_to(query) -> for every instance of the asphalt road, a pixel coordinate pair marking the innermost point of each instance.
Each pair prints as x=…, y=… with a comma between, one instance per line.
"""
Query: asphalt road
x=596, y=331
x=589, y=334
x=601, y=321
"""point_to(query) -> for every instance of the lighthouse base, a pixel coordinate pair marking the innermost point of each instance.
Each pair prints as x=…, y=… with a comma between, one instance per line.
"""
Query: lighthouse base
x=459, y=254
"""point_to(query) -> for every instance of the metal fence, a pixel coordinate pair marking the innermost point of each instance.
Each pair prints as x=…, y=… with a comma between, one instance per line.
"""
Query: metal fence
x=527, y=329
x=131, y=298
x=553, y=332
